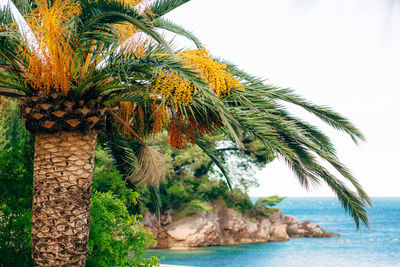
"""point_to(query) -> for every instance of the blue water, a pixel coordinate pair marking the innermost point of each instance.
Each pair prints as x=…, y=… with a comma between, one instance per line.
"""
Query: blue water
x=378, y=246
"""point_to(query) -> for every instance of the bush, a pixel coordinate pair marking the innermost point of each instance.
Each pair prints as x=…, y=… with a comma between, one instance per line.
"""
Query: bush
x=114, y=234
x=238, y=200
x=177, y=195
x=110, y=180
x=16, y=167
x=264, y=206
x=211, y=190
x=200, y=205
x=192, y=208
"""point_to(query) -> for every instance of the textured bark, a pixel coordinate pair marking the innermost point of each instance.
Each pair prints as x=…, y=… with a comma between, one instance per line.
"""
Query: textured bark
x=63, y=170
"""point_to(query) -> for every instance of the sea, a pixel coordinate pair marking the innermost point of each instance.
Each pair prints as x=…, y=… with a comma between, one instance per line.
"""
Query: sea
x=377, y=246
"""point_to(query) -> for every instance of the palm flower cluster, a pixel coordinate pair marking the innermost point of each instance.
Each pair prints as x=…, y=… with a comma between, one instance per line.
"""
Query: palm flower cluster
x=50, y=62
x=214, y=73
x=178, y=92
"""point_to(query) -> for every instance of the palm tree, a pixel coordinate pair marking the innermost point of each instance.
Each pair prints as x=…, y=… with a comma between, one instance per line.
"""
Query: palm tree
x=100, y=69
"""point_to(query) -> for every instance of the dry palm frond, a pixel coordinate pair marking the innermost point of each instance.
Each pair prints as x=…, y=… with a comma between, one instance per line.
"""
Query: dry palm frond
x=151, y=166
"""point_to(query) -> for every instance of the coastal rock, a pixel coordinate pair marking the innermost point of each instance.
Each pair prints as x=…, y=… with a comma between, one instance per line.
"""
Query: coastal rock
x=231, y=223
x=276, y=217
x=205, y=236
x=193, y=231
x=265, y=226
x=278, y=229
x=223, y=226
x=151, y=223
x=166, y=218
x=296, y=228
x=237, y=229
x=278, y=233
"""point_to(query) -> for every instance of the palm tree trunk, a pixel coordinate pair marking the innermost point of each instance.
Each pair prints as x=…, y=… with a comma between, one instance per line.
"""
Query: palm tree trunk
x=63, y=170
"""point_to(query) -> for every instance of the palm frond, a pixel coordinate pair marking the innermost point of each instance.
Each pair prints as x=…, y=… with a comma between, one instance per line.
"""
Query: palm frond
x=151, y=166
x=297, y=143
x=10, y=93
x=121, y=150
x=257, y=85
x=156, y=199
x=215, y=159
x=205, y=101
x=175, y=28
x=98, y=15
x=161, y=7
x=326, y=114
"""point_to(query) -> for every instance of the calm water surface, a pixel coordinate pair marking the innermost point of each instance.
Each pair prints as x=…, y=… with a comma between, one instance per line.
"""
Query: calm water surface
x=378, y=246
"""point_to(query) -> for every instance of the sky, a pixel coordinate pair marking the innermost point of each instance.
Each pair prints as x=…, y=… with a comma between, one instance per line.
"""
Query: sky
x=341, y=53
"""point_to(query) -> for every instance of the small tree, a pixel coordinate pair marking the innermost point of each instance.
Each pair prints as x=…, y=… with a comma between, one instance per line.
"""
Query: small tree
x=116, y=238
x=265, y=205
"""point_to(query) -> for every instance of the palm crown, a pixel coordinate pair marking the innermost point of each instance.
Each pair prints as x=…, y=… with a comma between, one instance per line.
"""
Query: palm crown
x=103, y=65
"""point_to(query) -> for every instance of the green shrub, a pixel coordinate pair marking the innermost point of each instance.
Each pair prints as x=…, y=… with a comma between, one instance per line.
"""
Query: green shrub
x=200, y=205
x=211, y=190
x=15, y=237
x=177, y=196
x=193, y=208
x=110, y=180
x=103, y=159
x=114, y=234
x=12, y=129
x=269, y=201
x=16, y=167
x=239, y=201
x=264, y=206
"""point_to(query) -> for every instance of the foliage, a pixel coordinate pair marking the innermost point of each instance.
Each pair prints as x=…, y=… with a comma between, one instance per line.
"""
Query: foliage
x=265, y=205
x=109, y=180
x=193, y=208
x=16, y=168
x=102, y=160
x=114, y=234
x=211, y=190
x=269, y=201
x=12, y=129
x=239, y=200
x=200, y=205
x=193, y=181
x=177, y=195
x=239, y=163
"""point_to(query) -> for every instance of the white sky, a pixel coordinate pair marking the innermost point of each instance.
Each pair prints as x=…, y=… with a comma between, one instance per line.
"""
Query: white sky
x=340, y=53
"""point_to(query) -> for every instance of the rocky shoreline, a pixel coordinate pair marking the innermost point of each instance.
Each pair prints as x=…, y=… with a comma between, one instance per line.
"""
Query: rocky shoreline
x=223, y=226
